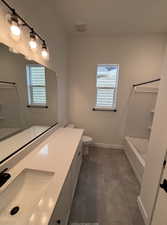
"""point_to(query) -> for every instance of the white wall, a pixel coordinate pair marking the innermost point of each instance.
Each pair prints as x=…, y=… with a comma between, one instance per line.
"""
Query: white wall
x=140, y=59
x=48, y=24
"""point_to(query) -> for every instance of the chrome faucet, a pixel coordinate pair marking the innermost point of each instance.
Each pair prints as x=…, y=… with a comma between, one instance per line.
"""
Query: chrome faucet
x=4, y=177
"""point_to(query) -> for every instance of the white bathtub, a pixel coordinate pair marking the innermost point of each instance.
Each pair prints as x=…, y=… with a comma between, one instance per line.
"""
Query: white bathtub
x=135, y=150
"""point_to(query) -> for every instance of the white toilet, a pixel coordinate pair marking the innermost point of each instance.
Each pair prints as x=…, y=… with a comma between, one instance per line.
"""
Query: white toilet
x=87, y=141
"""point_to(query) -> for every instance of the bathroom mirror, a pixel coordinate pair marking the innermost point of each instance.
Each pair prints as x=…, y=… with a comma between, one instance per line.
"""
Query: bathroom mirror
x=27, y=101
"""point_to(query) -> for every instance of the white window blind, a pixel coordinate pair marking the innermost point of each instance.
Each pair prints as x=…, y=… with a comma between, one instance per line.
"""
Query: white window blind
x=106, y=85
x=36, y=85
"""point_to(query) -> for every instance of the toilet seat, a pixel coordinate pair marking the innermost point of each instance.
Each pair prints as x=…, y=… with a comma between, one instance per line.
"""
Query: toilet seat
x=87, y=139
x=71, y=125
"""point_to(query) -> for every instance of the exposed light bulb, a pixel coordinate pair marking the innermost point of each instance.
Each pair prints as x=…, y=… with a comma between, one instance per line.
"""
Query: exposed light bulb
x=14, y=27
x=44, y=52
x=33, y=42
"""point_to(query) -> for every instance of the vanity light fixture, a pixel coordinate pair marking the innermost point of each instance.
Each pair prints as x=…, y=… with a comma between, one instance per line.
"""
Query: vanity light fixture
x=44, y=52
x=33, y=41
x=16, y=21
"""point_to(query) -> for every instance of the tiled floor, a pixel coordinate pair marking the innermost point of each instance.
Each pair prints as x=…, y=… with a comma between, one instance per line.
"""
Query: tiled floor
x=107, y=190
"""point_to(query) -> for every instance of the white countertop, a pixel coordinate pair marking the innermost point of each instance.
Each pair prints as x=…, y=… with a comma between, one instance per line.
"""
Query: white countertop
x=6, y=132
x=54, y=154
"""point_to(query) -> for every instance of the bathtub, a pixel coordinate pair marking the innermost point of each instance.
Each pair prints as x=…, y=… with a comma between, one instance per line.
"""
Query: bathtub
x=136, y=150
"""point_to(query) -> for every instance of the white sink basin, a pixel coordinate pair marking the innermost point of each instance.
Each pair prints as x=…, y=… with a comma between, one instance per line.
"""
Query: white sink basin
x=24, y=192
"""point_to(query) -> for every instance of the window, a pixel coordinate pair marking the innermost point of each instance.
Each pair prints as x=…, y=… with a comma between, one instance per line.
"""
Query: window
x=106, y=86
x=36, y=85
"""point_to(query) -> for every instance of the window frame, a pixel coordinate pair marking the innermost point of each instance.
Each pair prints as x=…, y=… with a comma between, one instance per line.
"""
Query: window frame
x=108, y=108
x=30, y=87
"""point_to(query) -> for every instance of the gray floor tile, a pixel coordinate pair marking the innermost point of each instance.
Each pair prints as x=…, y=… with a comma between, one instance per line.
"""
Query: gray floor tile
x=107, y=190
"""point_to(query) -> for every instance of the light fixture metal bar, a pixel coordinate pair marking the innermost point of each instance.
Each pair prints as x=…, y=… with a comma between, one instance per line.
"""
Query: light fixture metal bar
x=23, y=20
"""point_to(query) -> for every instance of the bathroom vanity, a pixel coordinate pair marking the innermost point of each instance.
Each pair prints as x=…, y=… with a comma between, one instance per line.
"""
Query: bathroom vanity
x=42, y=184
x=63, y=205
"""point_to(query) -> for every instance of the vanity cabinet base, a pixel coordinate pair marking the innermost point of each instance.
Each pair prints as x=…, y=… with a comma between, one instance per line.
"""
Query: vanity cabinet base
x=63, y=206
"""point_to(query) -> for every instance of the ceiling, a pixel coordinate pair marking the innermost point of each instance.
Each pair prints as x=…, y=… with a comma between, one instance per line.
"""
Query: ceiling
x=102, y=17
x=106, y=17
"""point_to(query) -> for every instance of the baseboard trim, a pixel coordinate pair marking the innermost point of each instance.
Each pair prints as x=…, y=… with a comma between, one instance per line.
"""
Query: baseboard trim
x=142, y=210
x=103, y=145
